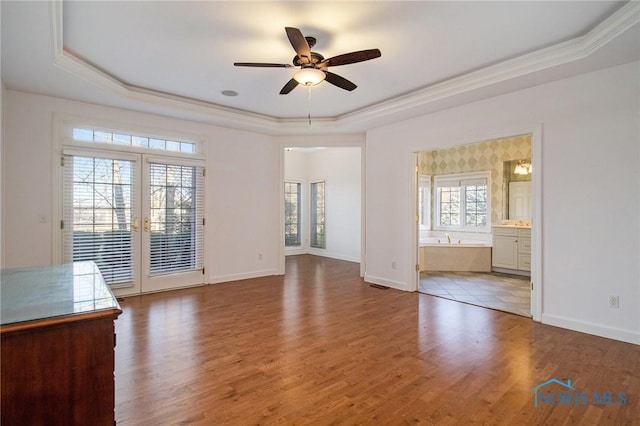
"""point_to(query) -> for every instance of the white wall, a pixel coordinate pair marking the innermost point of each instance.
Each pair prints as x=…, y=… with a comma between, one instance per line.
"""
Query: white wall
x=590, y=192
x=242, y=186
x=296, y=170
x=2, y=90
x=341, y=169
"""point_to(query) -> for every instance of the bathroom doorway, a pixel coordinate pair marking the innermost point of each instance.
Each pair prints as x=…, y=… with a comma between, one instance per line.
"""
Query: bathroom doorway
x=474, y=237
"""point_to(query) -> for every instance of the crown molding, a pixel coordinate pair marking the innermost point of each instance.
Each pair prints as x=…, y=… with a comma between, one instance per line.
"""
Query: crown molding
x=559, y=54
x=553, y=56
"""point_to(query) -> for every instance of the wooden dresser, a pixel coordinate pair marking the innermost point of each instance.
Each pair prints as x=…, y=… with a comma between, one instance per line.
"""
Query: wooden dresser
x=57, y=346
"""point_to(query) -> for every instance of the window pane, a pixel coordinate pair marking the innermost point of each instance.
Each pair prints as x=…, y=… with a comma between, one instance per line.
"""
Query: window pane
x=173, y=219
x=292, y=207
x=102, y=136
x=318, y=236
x=449, y=199
x=156, y=143
x=83, y=135
x=187, y=147
x=98, y=199
x=140, y=141
x=476, y=205
x=424, y=204
x=173, y=146
x=121, y=139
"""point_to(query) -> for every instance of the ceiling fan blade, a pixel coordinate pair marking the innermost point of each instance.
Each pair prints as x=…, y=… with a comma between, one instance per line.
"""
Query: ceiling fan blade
x=299, y=44
x=341, y=82
x=261, y=65
x=350, y=58
x=291, y=84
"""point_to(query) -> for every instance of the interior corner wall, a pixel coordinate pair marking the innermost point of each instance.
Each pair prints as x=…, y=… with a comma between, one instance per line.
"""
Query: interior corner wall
x=340, y=168
x=242, y=190
x=590, y=224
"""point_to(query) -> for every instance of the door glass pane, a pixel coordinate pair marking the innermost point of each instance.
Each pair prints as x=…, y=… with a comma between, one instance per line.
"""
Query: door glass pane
x=175, y=218
x=98, y=215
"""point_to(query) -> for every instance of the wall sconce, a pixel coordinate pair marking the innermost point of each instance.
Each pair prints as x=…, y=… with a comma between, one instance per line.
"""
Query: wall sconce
x=522, y=168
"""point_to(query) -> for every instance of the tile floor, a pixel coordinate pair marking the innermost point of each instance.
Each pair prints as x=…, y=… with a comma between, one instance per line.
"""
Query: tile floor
x=503, y=292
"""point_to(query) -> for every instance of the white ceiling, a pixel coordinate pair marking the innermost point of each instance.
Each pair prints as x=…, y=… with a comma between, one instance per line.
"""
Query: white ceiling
x=176, y=58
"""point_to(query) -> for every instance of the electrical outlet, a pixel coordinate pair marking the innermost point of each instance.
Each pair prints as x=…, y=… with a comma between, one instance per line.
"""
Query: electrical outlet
x=394, y=265
x=260, y=256
x=614, y=302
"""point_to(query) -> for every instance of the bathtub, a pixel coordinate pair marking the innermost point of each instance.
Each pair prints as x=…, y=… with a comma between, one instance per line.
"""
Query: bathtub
x=437, y=254
x=443, y=242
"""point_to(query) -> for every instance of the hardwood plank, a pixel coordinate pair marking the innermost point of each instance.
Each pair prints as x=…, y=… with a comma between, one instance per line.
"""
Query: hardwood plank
x=320, y=346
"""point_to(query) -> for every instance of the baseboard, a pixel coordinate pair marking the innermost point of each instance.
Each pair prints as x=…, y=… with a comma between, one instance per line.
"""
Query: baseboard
x=512, y=271
x=629, y=336
x=333, y=256
x=387, y=283
x=244, y=276
x=322, y=253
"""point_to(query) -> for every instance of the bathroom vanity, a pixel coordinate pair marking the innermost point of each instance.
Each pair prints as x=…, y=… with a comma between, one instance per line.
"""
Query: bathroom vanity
x=57, y=344
x=512, y=249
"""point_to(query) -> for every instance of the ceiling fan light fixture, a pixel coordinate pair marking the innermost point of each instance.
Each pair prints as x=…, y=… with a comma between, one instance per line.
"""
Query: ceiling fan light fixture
x=309, y=76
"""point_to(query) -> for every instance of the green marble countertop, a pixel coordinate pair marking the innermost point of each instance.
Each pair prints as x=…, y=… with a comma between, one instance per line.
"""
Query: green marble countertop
x=29, y=294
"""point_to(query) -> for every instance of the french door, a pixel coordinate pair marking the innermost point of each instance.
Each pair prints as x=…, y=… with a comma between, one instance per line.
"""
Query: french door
x=139, y=217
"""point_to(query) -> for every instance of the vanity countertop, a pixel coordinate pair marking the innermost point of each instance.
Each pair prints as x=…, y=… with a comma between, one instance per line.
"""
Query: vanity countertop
x=513, y=226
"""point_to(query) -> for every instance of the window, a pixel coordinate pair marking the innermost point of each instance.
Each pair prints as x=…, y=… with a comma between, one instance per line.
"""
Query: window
x=424, y=201
x=134, y=204
x=292, y=214
x=318, y=237
x=462, y=202
x=122, y=139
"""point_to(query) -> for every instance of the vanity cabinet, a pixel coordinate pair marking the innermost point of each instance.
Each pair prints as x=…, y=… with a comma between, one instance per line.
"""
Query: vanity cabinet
x=511, y=250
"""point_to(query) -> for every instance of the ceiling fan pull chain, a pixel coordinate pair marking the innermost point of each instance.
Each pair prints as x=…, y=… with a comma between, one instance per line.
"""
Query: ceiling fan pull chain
x=309, y=104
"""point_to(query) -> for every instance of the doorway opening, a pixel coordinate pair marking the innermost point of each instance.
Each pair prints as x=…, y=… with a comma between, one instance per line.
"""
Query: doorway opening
x=323, y=203
x=474, y=223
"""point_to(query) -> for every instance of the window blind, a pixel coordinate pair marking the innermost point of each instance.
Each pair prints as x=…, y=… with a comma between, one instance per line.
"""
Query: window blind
x=176, y=218
x=98, y=209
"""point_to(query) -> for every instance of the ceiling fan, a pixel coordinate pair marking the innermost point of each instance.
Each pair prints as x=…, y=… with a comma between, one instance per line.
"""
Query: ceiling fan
x=313, y=66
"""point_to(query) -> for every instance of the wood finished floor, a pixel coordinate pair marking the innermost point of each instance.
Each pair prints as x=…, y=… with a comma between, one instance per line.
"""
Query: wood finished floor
x=320, y=346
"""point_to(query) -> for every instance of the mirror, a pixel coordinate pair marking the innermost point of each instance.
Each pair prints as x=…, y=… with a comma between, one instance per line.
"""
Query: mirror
x=517, y=187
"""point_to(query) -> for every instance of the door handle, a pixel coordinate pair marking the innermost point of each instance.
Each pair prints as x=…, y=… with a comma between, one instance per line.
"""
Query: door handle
x=136, y=224
x=146, y=224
